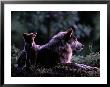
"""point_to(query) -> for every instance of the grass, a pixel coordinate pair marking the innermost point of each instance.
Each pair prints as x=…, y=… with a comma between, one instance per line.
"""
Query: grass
x=93, y=59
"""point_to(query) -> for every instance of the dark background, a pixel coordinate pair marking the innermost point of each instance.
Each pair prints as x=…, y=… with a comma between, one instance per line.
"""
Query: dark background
x=49, y=23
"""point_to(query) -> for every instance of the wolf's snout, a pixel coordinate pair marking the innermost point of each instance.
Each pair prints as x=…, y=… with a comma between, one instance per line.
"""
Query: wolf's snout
x=80, y=46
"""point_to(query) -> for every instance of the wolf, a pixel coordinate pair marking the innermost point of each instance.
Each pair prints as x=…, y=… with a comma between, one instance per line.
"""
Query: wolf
x=28, y=55
x=59, y=49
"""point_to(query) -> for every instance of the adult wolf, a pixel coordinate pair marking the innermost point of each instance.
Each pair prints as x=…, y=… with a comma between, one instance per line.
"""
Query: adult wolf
x=58, y=49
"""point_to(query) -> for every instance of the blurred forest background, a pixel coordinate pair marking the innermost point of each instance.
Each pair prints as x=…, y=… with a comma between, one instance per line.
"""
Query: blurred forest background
x=49, y=23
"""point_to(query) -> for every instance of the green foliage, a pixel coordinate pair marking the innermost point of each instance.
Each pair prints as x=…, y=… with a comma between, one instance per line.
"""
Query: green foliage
x=92, y=59
x=15, y=52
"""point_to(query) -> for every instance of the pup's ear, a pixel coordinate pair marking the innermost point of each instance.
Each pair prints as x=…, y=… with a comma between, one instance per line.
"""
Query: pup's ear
x=69, y=32
x=24, y=35
x=34, y=34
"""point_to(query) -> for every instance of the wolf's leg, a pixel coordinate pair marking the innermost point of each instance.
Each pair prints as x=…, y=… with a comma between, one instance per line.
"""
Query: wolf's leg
x=21, y=60
x=28, y=62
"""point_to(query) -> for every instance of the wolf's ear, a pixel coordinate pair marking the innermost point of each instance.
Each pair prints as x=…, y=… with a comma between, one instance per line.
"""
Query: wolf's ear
x=69, y=32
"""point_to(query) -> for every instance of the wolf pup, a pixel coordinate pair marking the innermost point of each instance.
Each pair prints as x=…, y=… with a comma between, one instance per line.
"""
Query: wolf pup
x=58, y=49
x=28, y=55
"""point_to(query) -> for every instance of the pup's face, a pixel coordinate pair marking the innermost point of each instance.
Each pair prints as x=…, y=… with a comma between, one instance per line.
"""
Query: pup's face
x=29, y=37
